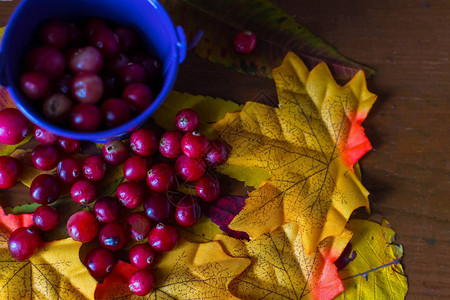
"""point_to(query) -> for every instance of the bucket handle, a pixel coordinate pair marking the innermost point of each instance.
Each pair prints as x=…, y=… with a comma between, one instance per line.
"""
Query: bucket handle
x=181, y=44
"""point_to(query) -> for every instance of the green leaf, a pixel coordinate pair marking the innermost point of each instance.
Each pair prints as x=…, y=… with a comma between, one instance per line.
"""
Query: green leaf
x=277, y=33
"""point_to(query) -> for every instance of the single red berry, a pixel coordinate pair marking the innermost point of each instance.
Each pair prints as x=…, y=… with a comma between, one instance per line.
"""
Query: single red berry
x=115, y=112
x=23, y=242
x=82, y=226
x=35, y=85
x=151, y=64
x=85, y=117
x=141, y=283
x=69, y=145
x=127, y=38
x=83, y=192
x=161, y=177
x=105, y=40
x=107, y=209
x=115, y=152
x=46, y=60
x=94, y=167
x=112, y=237
x=68, y=170
x=45, y=189
x=194, y=144
x=13, y=126
x=157, y=207
x=135, y=168
x=138, y=226
x=44, y=136
x=188, y=212
x=170, y=144
x=46, y=218
x=45, y=157
x=163, y=237
x=142, y=256
x=208, y=188
x=217, y=153
x=99, y=262
x=10, y=171
x=57, y=108
x=187, y=120
x=138, y=95
x=55, y=33
x=244, y=42
x=87, y=87
x=131, y=194
x=87, y=59
x=189, y=169
x=132, y=73
x=144, y=142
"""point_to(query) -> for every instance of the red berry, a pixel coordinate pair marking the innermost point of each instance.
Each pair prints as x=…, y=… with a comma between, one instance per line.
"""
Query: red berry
x=187, y=120
x=152, y=65
x=138, y=95
x=82, y=226
x=135, y=168
x=163, y=238
x=115, y=64
x=157, y=207
x=10, y=171
x=68, y=170
x=45, y=189
x=13, y=126
x=115, y=152
x=244, y=42
x=107, y=209
x=99, y=262
x=45, y=157
x=94, y=167
x=83, y=192
x=131, y=194
x=194, y=144
x=46, y=60
x=138, y=226
x=188, y=212
x=141, y=283
x=142, y=256
x=170, y=144
x=115, y=112
x=112, y=237
x=85, y=117
x=92, y=24
x=87, y=87
x=55, y=34
x=132, y=73
x=217, y=153
x=35, y=85
x=144, y=142
x=44, y=136
x=87, y=59
x=208, y=188
x=68, y=145
x=46, y=218
x=105, y=40
x=57, y=108
x=161, y=177
x=24, y=242
x=189, y=169
x=127, y=38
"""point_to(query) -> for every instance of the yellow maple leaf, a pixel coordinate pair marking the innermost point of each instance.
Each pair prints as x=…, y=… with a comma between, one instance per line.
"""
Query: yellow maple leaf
x=309, y=145
x=376, y=272
x=281, y=269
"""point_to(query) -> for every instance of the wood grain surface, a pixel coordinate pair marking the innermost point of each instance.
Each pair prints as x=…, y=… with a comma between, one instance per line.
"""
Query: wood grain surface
x=408, y=170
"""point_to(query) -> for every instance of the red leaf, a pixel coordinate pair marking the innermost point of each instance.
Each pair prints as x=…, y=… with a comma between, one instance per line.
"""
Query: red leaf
x=9, y=223
x=115, y=284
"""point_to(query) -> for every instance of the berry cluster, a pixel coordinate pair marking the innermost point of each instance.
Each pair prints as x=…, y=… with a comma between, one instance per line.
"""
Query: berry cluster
x=90, y=77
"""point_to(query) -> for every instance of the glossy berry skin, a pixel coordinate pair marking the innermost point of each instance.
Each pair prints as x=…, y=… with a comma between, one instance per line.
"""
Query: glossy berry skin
x=87, y=59
x=141, y=283
x=57, y=108
x=115, y=152
x=106, y=41
x=244, y=42
x=142, y=256
x=189, y=169
x=82, y=226
x=115, y=112
x=188, y=212
x=107, y=209
x=46, y=218
x=68, y=145
x=130, y=194
x=45, y=189
x=163, y=238
x=158, y=208
x=35, y=85
x=87, y=87
x=94, y=167
x=194, y=144
x=138, y=95
x=112, y=237
x=68, y=170
x=45, y=157
x=144, y=142
x=115, y=64
x=24, y=242
x=208, y=188
x=161, y=177
x=10, y=171
x=135, y=168
x=217, y=153
x=83, y=192
x=187, y=120
x=137, y=226
x=99, y=262
x=44, y=136
x=85, y=117
x=46, y=60
x=13, y=126
x=170, y=144
x=55, y=33
x=133, y=73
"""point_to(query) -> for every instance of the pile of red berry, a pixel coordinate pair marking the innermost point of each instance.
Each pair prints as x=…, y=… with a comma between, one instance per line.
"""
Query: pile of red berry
x=145, y=204
x=90, y=77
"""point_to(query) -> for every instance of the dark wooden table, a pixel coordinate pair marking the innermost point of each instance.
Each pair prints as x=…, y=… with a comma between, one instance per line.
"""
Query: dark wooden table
x=407, y=172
